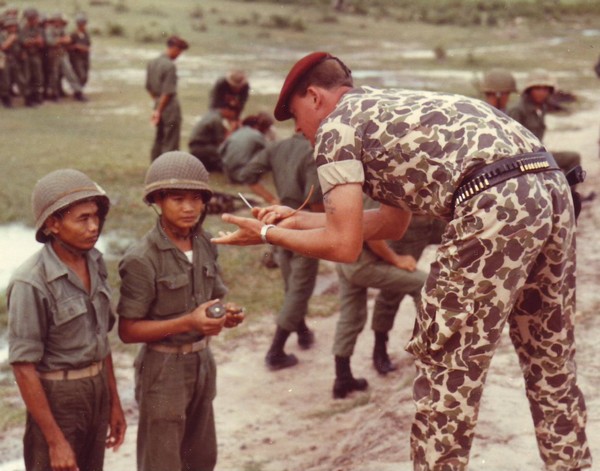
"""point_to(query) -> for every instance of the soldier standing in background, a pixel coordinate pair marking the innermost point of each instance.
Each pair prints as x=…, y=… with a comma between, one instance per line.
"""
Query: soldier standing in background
x=79, y=50
x=58, y=42
x=161, y=84
x=12, y=59
x=32, y=41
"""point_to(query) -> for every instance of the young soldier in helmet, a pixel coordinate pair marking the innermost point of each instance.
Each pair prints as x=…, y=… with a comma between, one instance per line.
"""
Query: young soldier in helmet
x=169, y=280
x=59, y=317
x=531, y=113
x=496, y=87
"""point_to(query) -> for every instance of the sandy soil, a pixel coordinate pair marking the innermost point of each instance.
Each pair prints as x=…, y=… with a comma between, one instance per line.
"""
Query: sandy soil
x=287, y=421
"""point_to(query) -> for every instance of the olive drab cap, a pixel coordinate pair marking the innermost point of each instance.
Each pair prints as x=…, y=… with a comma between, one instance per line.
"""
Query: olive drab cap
x=176, y=170
x=60, y=189
x=498, y=81
x=539, y=78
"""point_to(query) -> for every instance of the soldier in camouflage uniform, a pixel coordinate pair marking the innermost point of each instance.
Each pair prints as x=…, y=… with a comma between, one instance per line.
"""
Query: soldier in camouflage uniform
x=507, y=255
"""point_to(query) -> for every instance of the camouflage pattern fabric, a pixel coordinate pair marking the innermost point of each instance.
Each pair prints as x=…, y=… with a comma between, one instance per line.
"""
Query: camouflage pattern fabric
x=508, y=254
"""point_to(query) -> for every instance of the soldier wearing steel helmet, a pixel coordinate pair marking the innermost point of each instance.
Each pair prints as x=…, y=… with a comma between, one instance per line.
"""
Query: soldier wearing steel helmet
x=59, y=315
x=11, y=61
x=169, y=279
x=531, y=111
x=32, y=41
x=58, y=42
x=496, y=87
x=79, y=49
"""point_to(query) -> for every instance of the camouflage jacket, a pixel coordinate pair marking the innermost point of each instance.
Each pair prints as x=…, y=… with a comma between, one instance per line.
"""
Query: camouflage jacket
x=411, y=149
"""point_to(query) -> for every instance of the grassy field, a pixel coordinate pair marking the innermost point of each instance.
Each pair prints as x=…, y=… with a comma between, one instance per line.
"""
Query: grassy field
x=110, y=136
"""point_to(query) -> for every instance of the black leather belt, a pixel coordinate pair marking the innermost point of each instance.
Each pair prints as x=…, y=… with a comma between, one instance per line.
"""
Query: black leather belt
x=487, y=176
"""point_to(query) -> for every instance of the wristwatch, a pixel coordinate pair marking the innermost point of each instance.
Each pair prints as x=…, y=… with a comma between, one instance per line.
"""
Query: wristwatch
x=263, y=232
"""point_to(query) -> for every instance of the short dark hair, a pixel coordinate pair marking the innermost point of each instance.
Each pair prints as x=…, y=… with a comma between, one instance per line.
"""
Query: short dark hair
x=328, y=74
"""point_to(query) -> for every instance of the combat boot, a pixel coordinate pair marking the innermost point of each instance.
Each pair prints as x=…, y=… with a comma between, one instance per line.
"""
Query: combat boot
x=306, y=337
x=79, y=96
x=6, y=102
x=344, y=382
x=381, y=360
x=29, y=102
x=276, y=358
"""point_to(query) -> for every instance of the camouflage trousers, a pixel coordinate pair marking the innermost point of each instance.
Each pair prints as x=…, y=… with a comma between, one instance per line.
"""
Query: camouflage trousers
x=507, y=256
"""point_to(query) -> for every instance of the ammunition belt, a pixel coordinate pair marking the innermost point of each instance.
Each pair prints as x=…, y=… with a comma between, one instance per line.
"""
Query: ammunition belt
x=487, y=176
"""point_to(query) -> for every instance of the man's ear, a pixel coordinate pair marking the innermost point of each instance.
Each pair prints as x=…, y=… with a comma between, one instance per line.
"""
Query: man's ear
x=52, y=225
x=315, y=96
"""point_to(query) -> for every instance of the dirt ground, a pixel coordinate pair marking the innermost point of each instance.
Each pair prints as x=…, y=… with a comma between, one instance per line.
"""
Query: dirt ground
x=288, y=421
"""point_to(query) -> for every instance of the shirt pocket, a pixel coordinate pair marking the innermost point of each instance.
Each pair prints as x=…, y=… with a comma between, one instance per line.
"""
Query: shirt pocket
x=69, y=309
x=172, y=295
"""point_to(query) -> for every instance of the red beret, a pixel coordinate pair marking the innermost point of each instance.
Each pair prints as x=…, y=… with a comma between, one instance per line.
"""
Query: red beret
x=176, y=41
x=282, y=111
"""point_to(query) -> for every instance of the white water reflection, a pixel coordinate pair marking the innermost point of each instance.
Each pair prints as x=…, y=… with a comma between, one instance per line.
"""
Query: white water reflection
x=17, y=243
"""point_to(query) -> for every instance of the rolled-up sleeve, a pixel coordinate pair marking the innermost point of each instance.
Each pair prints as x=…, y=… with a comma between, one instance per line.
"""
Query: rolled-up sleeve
x=339, y=173
x=137, y=288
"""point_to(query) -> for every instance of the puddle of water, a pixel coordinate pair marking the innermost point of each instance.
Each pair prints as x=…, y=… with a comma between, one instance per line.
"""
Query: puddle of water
x=17, y=244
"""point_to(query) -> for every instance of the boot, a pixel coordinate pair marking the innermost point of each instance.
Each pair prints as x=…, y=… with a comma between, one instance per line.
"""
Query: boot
x=7, y=102
x=381, y=360
x=344, y=381
x=79, y=96
x=276, y=358
x=29, y=102
x=306, y=337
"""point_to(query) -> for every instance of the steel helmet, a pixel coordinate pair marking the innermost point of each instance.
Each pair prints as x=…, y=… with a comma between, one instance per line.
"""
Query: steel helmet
x=498, y=81
x=176, y=170
x=539, y=78
x=60, y=189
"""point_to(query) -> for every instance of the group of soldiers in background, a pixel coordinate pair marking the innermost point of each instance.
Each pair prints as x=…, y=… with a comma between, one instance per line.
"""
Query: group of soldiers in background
x=37, y=52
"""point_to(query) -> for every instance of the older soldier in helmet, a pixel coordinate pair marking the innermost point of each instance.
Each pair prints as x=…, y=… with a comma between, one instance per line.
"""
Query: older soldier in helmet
x=59, y=317
x=170, y=278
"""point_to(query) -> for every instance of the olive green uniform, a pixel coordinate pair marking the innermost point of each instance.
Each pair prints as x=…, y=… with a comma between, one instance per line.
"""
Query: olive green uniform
x=161, y=79
x=58, y=62
x=421, y=232
x=533, y=118
x=238, y=150
x=55, y=323
x=80, y=60
x=294, y=173
x=207, y=135
x=175, y=391
x=33, y=70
